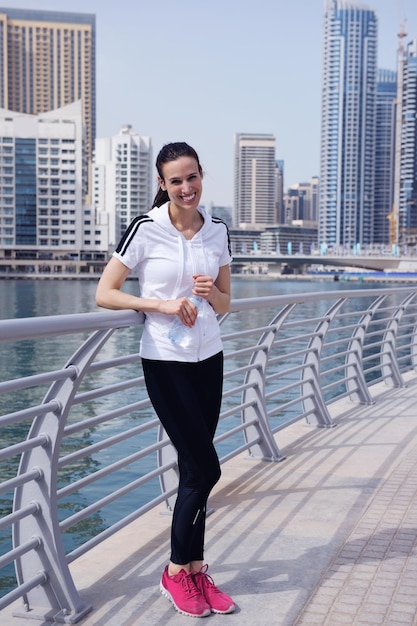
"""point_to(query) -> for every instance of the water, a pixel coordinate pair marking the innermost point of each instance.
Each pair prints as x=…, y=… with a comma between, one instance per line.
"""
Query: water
x=32, y=298
x=29, y=298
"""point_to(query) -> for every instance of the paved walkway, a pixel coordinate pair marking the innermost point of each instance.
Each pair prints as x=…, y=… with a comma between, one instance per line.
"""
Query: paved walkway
x=328, y=536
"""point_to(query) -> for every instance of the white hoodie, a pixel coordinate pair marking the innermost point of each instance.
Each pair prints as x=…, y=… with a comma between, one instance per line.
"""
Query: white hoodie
x=165, y=262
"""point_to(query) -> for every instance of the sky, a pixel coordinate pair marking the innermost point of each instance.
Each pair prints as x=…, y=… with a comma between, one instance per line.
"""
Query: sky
x=202, y=70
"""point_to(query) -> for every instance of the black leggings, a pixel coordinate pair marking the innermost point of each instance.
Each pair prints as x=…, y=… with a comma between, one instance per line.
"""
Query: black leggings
x=187, y=399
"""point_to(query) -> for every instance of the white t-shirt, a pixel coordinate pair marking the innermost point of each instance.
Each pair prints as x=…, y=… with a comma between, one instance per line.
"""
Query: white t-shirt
x=165, y=262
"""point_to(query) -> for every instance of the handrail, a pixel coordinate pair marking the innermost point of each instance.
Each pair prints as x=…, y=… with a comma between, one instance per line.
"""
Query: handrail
x=285, y=360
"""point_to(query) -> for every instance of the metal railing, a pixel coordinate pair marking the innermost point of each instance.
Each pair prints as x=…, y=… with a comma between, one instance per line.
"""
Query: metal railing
x=84, y=454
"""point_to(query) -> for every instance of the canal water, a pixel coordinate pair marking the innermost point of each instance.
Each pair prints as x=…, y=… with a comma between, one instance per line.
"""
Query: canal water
x=31, y=298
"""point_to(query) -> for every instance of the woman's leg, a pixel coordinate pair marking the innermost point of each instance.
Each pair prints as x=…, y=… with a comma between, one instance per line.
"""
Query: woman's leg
x=187, y=398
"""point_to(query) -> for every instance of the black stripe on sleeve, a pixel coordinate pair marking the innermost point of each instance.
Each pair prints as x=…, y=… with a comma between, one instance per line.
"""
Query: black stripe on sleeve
x=217, y=220
x=131, y=231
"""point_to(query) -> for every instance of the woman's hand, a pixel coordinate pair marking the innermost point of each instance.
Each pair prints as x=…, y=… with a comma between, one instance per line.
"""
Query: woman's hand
x=186, y=310
x=203, y=286
x=217, y=292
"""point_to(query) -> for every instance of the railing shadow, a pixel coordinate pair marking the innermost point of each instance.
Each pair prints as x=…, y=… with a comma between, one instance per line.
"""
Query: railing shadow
x=286, y=362
x=276, y=530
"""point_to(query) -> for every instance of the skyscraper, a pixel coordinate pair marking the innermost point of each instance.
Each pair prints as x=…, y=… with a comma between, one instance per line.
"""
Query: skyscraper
x=122, y=178
x=384, y=154
x=348, y=124
x=405, y=194
x=47, y=131
x=255, y=187
x=47, y=61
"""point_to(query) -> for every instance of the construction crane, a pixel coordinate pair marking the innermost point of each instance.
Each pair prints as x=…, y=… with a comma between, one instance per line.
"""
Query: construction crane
x=393, y=238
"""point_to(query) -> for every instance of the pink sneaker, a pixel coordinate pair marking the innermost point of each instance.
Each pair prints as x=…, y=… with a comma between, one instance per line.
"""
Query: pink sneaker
x=218, y=601
x=182, y=591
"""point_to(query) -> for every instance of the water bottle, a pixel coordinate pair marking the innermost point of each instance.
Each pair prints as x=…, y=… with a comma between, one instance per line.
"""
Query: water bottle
x=178, y=333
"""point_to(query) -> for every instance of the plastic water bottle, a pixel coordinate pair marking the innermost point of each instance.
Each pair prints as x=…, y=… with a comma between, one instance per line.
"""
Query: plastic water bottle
x=178, y=333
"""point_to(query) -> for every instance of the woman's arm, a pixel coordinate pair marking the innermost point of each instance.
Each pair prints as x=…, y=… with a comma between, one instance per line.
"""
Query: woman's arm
x=217, y=292
x=110, y=296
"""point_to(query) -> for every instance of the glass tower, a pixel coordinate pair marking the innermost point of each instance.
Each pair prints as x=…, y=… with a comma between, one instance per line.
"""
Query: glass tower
x=25, y=191
x=348, y=124
x=384, y=155
x=407, y=166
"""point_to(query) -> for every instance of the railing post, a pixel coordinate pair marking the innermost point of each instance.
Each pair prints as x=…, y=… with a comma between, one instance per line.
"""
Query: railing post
x=413, y=348
x=355, y=377
x=313, y=402
x=57, y=598
x=389, y=363
x=254, y=396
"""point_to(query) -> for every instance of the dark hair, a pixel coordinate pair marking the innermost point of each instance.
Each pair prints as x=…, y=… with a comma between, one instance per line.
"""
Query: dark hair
x=171, y=152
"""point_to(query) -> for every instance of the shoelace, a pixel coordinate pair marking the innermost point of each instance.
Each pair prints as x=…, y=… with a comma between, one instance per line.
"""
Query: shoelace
x=189, y=585
x=207, y=580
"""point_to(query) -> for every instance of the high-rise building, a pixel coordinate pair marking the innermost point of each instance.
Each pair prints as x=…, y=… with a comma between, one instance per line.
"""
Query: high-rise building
x=47, y=61
x=292, y=204
x=348, y=124
x=384, y=154
x=122, y=179
x=41, y=184
x=405, y=186
x=301, y=202
x=255, y=187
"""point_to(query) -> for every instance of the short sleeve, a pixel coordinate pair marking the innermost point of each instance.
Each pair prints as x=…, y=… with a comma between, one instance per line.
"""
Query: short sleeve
x=130, y=250
x=226, y=256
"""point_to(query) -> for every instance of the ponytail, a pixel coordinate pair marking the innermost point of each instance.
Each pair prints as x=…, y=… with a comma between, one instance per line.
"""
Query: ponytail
x=160, y=198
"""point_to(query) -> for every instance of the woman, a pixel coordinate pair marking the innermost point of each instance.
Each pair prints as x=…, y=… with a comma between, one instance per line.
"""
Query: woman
x=182, y=259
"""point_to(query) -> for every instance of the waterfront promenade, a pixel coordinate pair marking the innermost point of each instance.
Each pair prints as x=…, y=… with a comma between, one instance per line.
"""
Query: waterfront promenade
x=328, y=536
x=66, y=267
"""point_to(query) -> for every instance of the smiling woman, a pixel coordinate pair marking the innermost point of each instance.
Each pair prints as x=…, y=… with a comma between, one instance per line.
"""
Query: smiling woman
x=181, y=253
x=180, y=177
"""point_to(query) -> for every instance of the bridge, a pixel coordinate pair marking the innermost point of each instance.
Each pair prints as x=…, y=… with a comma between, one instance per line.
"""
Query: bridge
x=378, y=263
x=91, y=268
x=315, y=518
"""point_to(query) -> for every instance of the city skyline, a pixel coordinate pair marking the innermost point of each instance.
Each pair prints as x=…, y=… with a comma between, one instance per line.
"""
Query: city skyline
x=256, y=69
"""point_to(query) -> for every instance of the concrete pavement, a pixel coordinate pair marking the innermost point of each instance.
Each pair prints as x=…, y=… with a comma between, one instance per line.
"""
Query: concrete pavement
x=328, y=536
